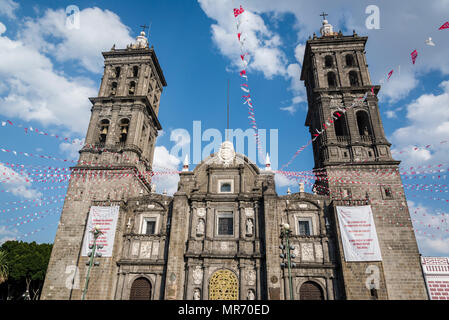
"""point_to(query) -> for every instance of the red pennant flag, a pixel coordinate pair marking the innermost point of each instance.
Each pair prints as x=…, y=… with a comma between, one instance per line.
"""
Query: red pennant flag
x=239, y=35
x=9, y=122
x=390, y=74
x=238, y=12
x=372, y=90
x=444, y=26
x=243, y=56
x=414, y=55
x=242, y=72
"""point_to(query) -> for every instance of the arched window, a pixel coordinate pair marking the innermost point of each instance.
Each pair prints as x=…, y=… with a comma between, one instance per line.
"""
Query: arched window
x=135, y=71
x=113, y=89
x=340, y=125
x=328, y=62
x=225, y=187
x=104, y=129
x=349, y=60
x=353, y=79
x=140, y=290
x=331, y=79
x=132, y=88
x=310, y=291
x=363, y=124
x=117, y=72
x=124, y=128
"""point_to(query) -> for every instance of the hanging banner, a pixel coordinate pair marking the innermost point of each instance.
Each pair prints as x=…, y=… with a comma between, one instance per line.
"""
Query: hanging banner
x=106, y=219
x=358, y=234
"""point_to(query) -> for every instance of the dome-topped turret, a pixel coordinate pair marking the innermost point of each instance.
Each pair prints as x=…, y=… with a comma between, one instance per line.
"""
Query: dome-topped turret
x=327, y=29
x=141, y=41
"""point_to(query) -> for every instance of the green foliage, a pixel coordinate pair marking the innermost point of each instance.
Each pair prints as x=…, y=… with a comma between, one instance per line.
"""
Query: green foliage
x=25, y=261
x=3, y=267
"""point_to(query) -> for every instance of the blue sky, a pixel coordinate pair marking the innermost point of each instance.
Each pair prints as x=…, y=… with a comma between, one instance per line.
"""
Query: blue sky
x=47, y=72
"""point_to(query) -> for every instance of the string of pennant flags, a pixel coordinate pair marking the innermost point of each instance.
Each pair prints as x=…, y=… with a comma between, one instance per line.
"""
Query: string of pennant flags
x=244, y=56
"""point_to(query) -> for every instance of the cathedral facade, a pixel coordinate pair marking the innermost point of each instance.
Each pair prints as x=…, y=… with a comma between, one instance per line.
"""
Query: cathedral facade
x=219, y=236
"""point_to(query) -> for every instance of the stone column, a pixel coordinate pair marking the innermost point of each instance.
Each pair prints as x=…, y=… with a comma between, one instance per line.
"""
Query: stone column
x=112, y=137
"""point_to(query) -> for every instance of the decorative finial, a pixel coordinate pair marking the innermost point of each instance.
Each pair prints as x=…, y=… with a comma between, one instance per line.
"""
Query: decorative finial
x=165, y=192
x=327, y=29
x=289, y=192
x=113, y=47
x=185, y=165
x=301, y=187
x=268, y=163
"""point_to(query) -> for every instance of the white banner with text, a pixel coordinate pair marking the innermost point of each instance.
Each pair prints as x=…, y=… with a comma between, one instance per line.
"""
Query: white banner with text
x=358, y=234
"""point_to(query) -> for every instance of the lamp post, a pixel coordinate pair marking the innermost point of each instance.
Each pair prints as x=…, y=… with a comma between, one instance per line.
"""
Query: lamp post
x=285, y=233
x=92, y=255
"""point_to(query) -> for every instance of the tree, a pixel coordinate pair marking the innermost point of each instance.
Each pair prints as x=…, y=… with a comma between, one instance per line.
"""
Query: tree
x=27, y=264
x=3, y=267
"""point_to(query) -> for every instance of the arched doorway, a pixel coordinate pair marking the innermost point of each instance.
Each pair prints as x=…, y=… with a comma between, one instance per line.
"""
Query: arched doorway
x=310, y=291
x=140, y=290
x=223, y=285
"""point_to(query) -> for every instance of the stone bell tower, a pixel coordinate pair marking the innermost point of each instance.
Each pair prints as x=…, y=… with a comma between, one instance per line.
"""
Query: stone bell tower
x=355, y=167
x=114, y=165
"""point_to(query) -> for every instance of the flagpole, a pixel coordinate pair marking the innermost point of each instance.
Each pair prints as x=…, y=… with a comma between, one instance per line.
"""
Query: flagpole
x=227, y=132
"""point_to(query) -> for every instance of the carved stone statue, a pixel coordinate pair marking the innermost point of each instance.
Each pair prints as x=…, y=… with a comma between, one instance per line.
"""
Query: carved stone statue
x=251, y=295
x=197, y=275
x=196, y=294
x=365, y=131
x=200, y=228
x=249, y=227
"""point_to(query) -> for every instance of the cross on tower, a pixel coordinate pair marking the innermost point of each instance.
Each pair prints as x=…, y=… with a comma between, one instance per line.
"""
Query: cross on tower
x=324, y=15
x=144, y=27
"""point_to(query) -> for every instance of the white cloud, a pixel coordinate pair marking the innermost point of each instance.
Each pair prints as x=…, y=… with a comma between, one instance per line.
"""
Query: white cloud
x=99, y=30
x=32, y=89
x=428, y=118
x=291, y=109
x=283, y=181
x=390, y=114
x=7, y=8
x=7, y=234
x=2, y=28
x=432, y=237
x=72, y=149
x=299, y=53
x=164, y=161
x=17, y=184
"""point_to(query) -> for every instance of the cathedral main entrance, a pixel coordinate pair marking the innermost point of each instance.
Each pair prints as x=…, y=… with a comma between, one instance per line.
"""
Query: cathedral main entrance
x=223, y=285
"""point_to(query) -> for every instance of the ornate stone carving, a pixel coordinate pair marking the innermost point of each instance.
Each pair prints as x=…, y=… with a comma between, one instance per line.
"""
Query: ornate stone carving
x=251, y=295
x=251, y=277
x=226, y=154
x=249, y=212
x=307, y=252
x=197, y=275
x=135, y=249
x=200, y=227
x=201, y=212
x=249, y=227
x=145, y=249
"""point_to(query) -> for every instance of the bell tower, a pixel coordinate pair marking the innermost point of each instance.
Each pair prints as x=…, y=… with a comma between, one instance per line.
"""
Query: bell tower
x=125, y=114
x=355, y=167
x=114, y=165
